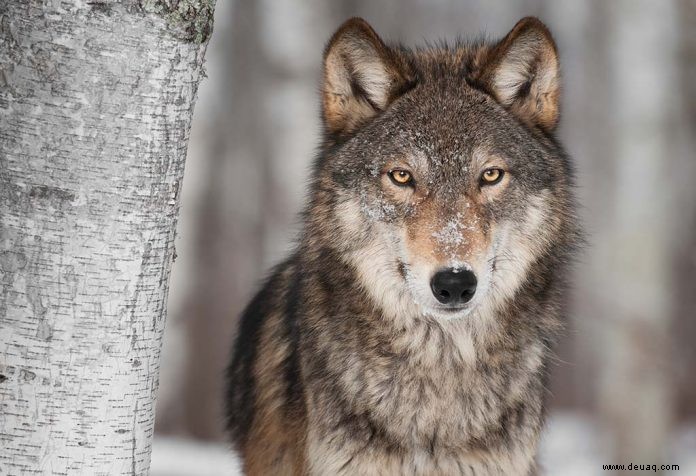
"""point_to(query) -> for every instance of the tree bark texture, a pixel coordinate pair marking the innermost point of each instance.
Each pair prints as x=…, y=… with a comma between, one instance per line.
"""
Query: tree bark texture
x=96, y=101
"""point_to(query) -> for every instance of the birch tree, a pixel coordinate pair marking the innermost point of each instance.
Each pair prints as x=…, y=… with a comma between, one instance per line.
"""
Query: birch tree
x=96, y=99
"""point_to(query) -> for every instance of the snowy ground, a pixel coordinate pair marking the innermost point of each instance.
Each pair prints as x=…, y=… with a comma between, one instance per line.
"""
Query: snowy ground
x=179, y=457
x=571, y=447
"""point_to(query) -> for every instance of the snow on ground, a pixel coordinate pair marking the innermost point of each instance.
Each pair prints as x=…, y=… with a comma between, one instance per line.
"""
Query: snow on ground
x=569, y=447
x=181, y=457
x=572, y=446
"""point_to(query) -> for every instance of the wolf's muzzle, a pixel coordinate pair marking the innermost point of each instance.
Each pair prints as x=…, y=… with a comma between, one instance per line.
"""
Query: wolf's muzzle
x=453, y=286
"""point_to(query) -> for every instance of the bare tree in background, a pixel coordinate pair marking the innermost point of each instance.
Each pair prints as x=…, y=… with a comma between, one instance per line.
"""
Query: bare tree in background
x=96, y=100
x=254, y=152
x=637, y=245
x=685, y=260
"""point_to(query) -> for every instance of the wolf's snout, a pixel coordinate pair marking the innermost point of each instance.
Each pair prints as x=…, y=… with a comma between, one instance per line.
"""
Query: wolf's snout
x=452, y=286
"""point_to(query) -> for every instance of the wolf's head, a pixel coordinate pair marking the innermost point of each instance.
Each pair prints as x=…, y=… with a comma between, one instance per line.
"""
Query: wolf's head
x=439, y=180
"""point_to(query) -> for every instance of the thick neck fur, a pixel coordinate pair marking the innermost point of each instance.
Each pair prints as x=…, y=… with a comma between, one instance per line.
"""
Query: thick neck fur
x=460, y=388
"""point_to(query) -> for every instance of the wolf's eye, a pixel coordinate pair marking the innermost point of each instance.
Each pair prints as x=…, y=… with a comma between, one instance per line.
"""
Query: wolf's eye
x=492, y=176
x=400, y=177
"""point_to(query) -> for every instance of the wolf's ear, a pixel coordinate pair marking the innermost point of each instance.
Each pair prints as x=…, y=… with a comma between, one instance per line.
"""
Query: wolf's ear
x=362, y=76
x=522, y=73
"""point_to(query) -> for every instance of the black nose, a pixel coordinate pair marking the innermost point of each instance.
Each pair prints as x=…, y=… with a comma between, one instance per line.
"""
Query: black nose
x=452, y=286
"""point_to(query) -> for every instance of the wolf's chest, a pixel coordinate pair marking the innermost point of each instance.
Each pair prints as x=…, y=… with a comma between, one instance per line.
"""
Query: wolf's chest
x=446, y=421
x=425, y=407
x=451, y=403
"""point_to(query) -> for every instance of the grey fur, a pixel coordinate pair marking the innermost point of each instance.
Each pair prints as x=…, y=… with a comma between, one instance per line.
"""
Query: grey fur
x=343, y=364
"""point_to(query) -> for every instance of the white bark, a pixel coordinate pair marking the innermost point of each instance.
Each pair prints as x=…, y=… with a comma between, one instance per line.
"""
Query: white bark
x=96, y=100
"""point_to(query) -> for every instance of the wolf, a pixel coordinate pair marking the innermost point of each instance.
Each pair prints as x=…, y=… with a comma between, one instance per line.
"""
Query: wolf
x=411, y=329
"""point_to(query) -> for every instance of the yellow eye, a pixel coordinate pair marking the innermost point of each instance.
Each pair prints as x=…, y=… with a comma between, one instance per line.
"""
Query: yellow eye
x=400, y=177
x=492, y=176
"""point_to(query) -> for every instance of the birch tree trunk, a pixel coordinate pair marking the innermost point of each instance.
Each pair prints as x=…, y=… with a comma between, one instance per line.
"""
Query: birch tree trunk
x=96, y=99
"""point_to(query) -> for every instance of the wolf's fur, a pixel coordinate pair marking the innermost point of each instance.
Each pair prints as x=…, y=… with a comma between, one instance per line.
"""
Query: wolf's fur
x=345, y=361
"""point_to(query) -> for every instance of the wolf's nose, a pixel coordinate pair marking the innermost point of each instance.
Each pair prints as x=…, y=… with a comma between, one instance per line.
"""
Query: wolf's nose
x=452, y=286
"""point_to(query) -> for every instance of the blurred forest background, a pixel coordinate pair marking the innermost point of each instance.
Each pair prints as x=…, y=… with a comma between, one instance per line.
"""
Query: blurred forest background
x=624, y=386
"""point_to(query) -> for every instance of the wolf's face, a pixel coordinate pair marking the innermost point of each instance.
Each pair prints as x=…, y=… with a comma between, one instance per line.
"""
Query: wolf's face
x=441, y=175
